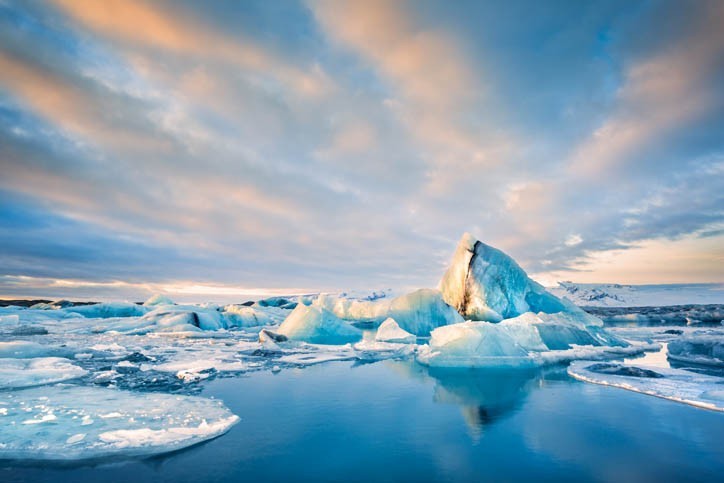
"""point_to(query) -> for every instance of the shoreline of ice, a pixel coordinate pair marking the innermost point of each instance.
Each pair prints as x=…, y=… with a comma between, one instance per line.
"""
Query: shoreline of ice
x=698, y=390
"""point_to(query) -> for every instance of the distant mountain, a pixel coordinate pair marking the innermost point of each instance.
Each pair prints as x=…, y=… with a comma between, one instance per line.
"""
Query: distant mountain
x=617, y=295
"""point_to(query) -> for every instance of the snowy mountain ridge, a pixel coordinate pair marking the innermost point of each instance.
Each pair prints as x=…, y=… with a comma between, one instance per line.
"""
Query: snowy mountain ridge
x=618, y=295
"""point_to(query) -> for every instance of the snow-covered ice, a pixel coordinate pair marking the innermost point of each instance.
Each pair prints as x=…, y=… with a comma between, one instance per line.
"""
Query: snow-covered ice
x=675, y=384
x=67, y=422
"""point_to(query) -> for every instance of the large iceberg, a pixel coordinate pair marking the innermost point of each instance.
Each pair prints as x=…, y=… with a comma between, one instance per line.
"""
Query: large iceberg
x=483, y=283
x=512, y=320
x=72, y=422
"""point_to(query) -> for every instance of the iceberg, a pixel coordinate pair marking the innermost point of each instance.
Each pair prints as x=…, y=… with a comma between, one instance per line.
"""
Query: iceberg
x=315, y=324
x=243, y=316
x=74, y=423
x=19, y=373
x=418, y=312
x=514, y=344
x=390, y=331
x=422, y=311
x=513, y=321
x=187, y=319
x=108, y=310
x=674, y=384
x=473, y=344
x=483, y=283
x=156, y=300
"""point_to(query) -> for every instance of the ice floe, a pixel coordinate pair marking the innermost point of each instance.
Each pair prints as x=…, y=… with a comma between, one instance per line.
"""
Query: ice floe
x=704, y=350
x=675, y=384
x=19, y=373
x=67, y=422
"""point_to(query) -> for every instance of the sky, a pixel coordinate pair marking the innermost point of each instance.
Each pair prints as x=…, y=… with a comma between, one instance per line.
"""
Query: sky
x=225, y=148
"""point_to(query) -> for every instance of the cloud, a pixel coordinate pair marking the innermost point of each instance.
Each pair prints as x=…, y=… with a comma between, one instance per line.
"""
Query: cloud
x=659, y=94
x=349, y=144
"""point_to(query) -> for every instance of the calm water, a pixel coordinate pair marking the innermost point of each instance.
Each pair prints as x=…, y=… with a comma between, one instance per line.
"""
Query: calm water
x=395, y=421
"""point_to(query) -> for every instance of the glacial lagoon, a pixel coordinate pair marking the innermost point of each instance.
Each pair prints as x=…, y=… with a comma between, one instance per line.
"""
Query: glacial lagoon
x=399, y=421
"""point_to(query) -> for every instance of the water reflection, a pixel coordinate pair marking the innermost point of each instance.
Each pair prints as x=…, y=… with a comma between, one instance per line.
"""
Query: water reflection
x=485, y=396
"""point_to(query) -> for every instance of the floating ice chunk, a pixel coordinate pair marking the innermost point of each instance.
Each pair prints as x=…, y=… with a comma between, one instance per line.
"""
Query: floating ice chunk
x=148, y=423
x=195, y=363
x=418, y=312
x=483, y=283
x=357, y=310
x=183, y=316
x=523, y=341
x=18, y=373
x=266, y=335
x=319, y=326
x=674, y=384
x=317, y=354
x=422, y=311
x=58, y=304
x=473, y=344
x=370, y=350
x=156, y=300
x=108, y=310
x=389, y=331
x=12, y=320
x=112, y=347
x=243, y=316
x=21, y=349
x=168, y=318
x=706, y=350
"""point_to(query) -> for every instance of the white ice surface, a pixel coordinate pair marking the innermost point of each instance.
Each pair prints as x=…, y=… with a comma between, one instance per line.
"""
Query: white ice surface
x=677, y=385
x=19, y=373
x=66, y=422
x=24, y=349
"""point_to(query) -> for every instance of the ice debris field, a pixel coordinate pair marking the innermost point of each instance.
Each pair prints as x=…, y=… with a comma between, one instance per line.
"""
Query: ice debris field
x=81, y=382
